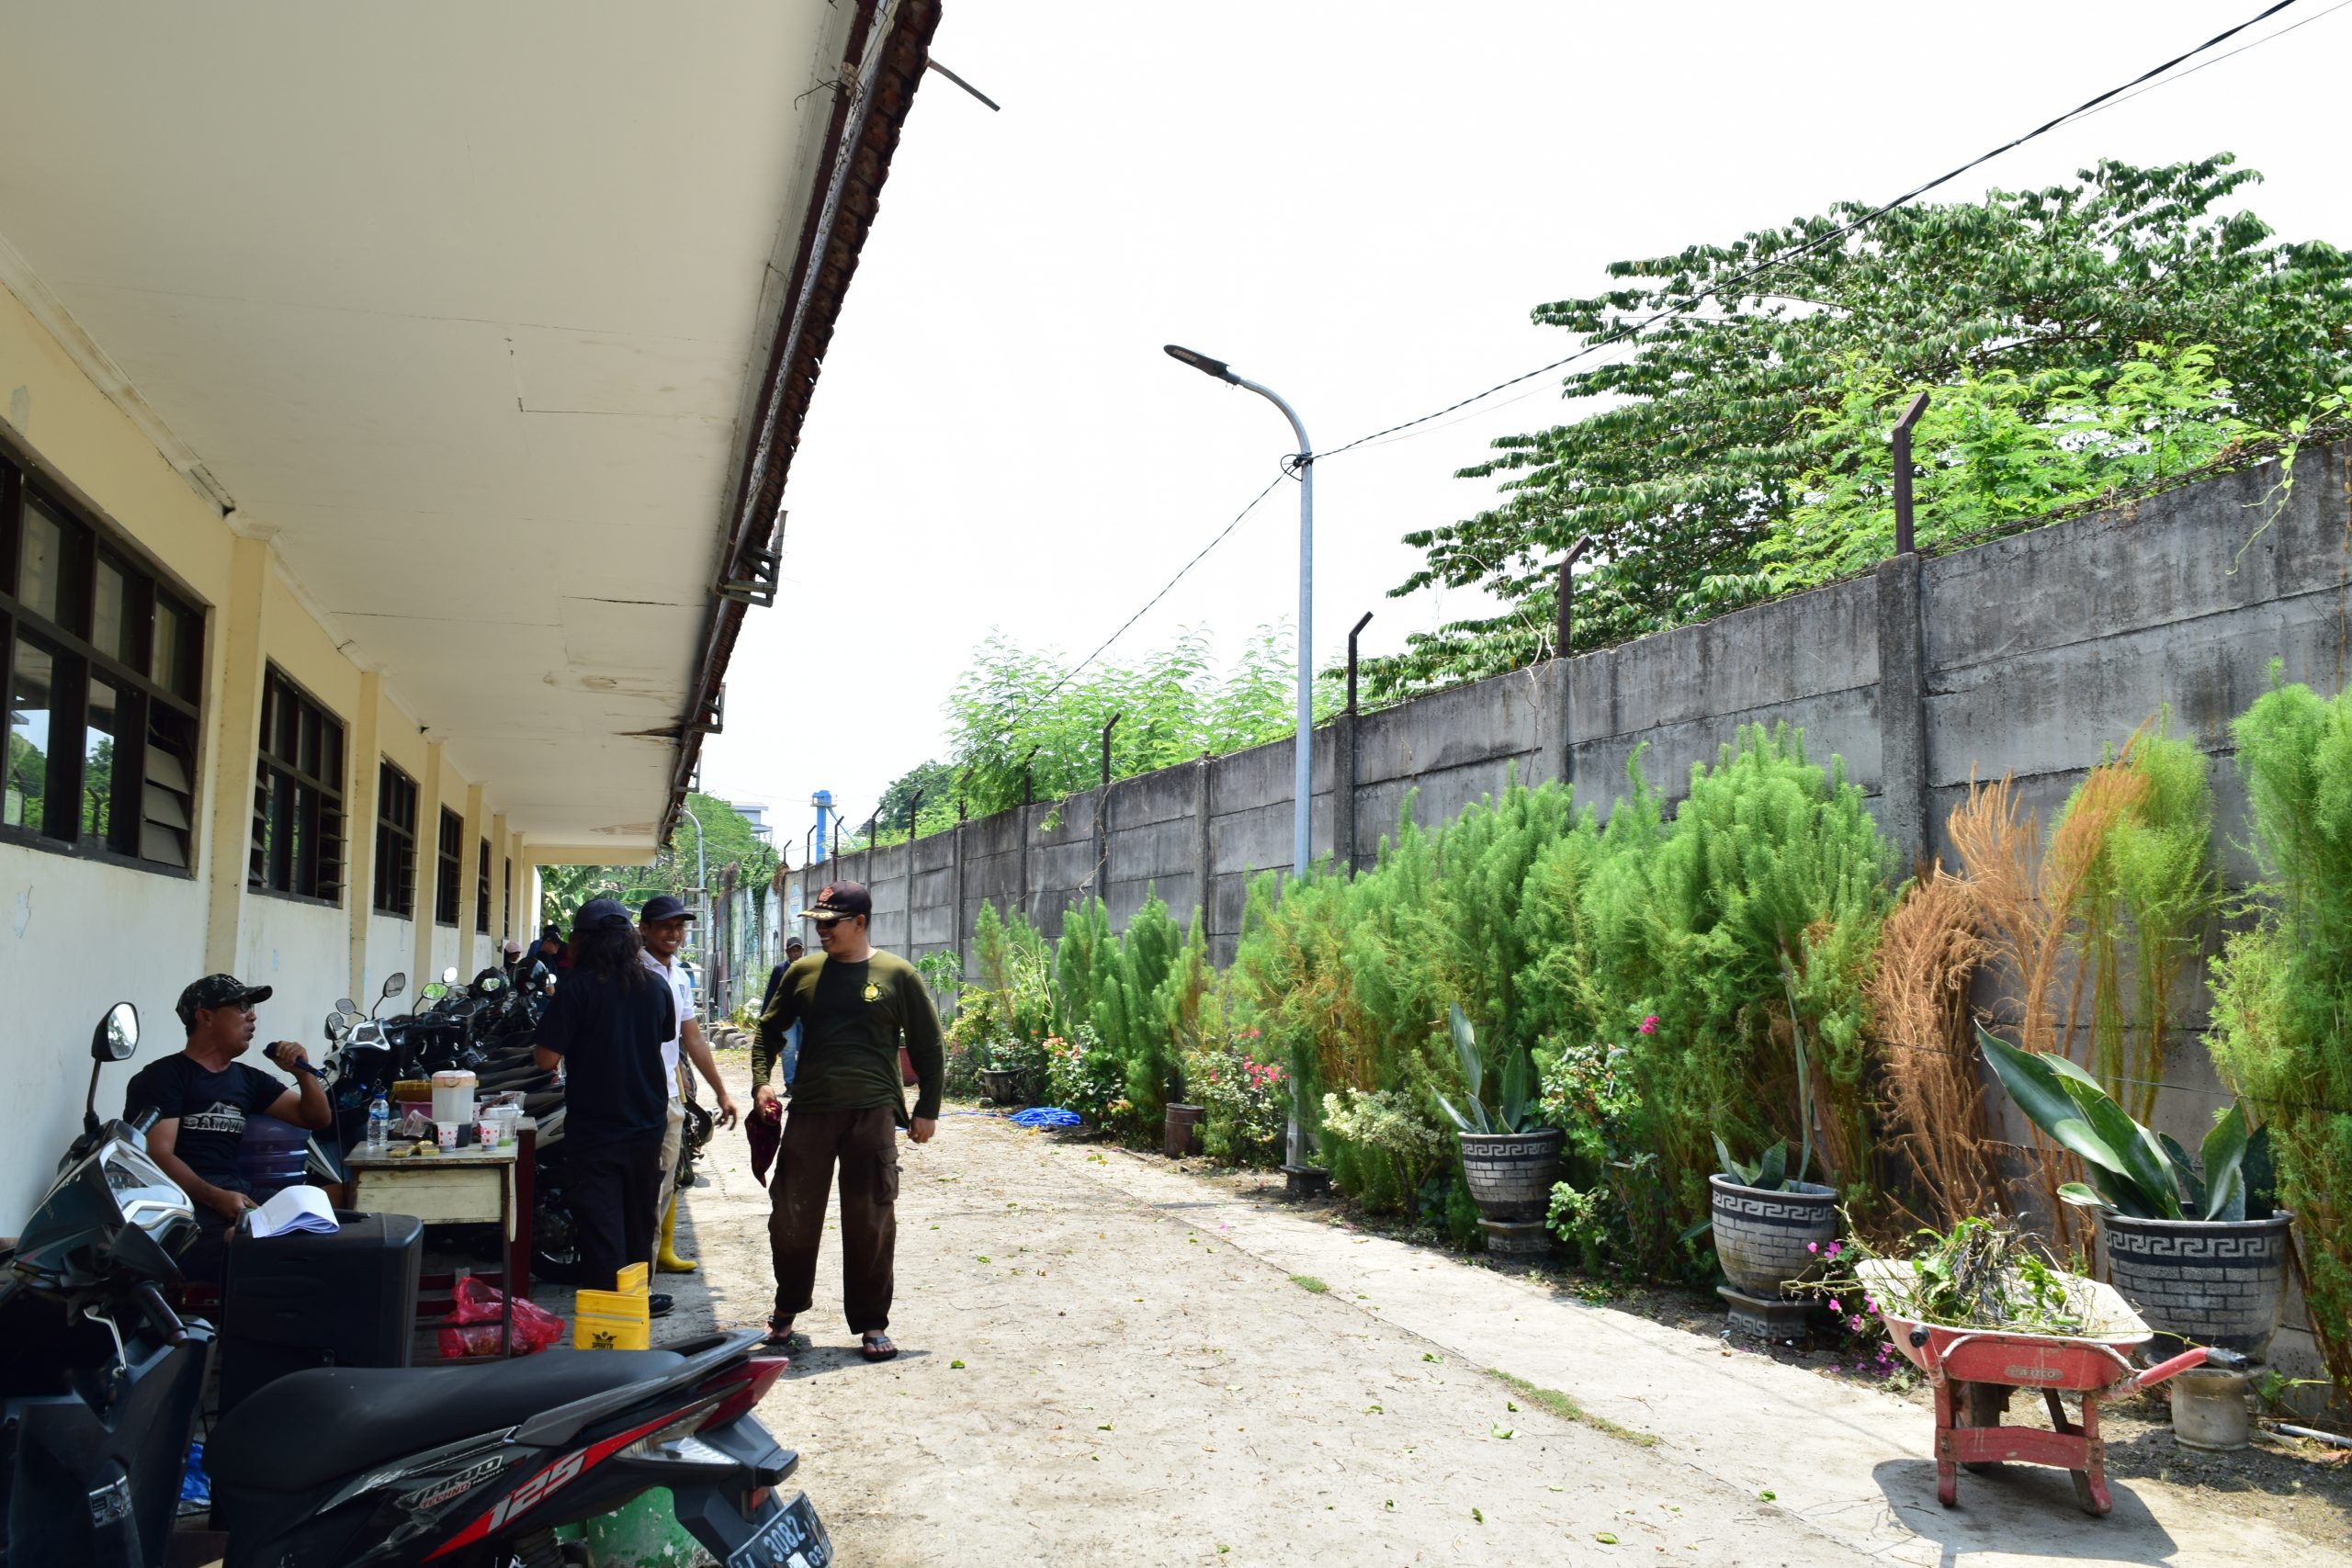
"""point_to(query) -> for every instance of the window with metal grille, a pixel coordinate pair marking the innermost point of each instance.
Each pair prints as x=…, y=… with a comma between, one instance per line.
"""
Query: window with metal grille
x=298, y=794
x=102, y=666
x=395, y=843
x=451, y=864
x=481, y=893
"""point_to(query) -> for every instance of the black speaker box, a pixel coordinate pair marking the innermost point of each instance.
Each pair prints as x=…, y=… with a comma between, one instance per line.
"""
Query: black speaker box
x=298, y=1300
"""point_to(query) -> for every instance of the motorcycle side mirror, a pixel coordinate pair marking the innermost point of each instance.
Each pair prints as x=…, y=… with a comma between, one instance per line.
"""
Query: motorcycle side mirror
x=395, y=984
x=432, y=991
x=449, y=975
x=337, y=1026
x=549, y=988
x=117, y=1035
x=345, y=1004
x=489, y=985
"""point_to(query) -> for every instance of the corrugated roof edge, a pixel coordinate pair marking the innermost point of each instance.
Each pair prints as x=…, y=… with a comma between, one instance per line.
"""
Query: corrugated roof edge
x=869, y=117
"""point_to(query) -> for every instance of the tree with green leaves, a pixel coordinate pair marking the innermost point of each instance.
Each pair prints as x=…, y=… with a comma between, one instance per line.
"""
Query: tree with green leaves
x=726, y=840
x=2107, y=334
x=1025, y=725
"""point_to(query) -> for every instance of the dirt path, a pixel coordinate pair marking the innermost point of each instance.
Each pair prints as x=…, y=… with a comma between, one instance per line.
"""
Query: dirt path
x=1087, y=1379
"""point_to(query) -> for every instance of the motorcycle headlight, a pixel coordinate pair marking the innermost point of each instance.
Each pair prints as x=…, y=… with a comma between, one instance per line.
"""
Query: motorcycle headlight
x=148, y=1198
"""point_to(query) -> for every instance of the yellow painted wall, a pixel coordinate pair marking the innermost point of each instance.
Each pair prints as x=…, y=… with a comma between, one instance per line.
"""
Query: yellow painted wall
x=78, y=935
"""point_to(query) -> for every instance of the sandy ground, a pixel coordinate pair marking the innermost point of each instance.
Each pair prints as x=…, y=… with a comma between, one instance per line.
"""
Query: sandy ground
x=1087, y=1379
x=1107, y=1360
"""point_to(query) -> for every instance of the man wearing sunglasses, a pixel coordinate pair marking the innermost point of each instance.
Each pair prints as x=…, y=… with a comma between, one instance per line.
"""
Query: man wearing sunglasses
x=856, y=1007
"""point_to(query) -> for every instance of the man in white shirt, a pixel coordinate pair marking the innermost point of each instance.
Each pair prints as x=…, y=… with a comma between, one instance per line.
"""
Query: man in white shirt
x=662, y=925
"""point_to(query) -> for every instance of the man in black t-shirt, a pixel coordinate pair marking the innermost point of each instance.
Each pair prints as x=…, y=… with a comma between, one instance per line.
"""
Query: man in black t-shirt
x=605, y=1026
x=203, y=1096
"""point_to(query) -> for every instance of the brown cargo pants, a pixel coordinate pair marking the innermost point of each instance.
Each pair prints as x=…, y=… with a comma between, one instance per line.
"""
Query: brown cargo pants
x=865, y=1144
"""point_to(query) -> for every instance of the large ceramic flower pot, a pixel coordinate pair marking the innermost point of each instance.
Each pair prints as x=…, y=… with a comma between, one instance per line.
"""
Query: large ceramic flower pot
x=2216, y=1282
x=1510, y=1174
x=1002, y=1086
x=1761, y=1239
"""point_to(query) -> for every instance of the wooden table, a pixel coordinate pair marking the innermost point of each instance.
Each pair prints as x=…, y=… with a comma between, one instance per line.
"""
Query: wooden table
x=459, y=1186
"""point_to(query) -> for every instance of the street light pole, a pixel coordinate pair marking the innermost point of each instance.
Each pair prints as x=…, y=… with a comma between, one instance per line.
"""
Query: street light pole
x=1303, y=749
x=1303, y=761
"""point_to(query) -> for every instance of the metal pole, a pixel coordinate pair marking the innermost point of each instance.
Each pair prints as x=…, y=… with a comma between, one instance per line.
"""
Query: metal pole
x=1302, y=465
x=914, y=815
x=1303, y=771
x=1355, y=632
x=1106, y=755
x=1905, y=544
x=1560, y=642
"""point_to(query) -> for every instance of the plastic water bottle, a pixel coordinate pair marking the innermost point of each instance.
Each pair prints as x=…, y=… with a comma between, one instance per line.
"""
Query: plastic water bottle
x=380, y=1125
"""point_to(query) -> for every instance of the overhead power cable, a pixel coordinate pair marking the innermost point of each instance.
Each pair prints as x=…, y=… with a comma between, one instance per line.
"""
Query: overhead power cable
x=1828, y=237
x=1076, y=670
x=2141, y=83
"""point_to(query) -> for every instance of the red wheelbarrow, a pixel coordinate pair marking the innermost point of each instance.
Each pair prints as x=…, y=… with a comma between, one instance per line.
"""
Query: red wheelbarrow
x=1975, y=1370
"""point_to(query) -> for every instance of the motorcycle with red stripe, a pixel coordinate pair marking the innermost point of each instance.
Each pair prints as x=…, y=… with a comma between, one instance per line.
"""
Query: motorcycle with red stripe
x=468, y=1467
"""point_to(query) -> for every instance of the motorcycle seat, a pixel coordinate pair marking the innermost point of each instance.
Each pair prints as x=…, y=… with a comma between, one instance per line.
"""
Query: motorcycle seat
x=314, y=1427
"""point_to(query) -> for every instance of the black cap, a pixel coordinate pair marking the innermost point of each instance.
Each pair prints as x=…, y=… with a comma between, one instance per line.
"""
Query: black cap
x=839, y=901
x=663, y=907
x=598, y=913
x=217, y=991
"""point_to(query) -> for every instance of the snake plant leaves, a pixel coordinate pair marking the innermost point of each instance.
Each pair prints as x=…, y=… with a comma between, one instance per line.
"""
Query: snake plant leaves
x=2224, y=1156
x=1465, y=1047
x=2041, y=1094
x=2184, y=1170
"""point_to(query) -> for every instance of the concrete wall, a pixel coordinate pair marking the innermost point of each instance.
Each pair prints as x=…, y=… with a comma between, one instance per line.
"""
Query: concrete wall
x=2031, y=655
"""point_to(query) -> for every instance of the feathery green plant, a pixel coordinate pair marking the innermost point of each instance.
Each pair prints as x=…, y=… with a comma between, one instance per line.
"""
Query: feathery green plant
x=2282, y=1032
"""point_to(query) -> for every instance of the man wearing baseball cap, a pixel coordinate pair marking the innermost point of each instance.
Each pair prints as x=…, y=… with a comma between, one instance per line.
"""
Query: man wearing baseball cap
x=204, y=1094
x=856, y=1008
x=662, y=925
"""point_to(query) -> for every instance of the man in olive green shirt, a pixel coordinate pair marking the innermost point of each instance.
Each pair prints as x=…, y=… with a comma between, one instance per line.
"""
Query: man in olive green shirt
x=856, y=1007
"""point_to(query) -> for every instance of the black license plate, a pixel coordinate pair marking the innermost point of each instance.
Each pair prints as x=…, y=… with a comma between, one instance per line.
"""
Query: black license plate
x=793, y=1537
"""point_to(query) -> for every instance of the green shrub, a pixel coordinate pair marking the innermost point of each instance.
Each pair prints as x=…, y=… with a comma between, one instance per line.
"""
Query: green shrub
x=2281, y=1035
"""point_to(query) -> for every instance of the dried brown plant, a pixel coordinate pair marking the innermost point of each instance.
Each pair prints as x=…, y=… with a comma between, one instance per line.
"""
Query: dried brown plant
x=2028, y=900
x=1928, y=953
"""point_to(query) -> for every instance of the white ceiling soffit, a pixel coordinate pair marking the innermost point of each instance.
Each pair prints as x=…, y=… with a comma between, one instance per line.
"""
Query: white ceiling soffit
x=462, y=303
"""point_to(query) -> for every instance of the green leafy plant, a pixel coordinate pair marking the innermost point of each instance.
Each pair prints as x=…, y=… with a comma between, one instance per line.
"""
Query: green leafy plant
x=1517, y=1112
x=2133, y=1171
x=1707, y=439
x=1980, y=1274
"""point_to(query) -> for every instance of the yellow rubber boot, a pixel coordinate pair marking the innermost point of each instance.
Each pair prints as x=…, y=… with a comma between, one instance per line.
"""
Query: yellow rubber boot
x=668, y=1260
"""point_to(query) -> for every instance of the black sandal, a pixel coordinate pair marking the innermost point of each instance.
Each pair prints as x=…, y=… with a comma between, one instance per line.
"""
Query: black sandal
x=877, y=1348
x=784, y=1337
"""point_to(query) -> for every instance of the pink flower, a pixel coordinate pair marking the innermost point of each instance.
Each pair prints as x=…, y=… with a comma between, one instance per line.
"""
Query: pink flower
x=1649, y=1024
x=1837, y=1305
x=1813, y=1247
x=1835, y=1248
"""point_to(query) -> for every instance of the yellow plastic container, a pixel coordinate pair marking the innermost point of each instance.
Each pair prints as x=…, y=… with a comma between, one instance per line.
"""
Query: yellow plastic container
x=596, y=1331
x=631, y=1305
x=633, y=1277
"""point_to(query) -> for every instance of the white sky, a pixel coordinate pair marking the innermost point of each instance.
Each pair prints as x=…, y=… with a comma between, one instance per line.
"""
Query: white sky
x=1357, y=206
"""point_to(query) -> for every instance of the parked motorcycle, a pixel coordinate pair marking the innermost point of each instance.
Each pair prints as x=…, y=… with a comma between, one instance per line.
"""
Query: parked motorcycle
x=100, y=1381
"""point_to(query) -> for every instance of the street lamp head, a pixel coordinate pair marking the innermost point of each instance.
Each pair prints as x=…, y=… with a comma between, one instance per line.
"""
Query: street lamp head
x=1201, y=362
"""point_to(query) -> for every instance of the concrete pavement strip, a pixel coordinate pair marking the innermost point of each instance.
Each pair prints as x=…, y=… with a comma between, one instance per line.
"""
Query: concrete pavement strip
x=1854, y=1464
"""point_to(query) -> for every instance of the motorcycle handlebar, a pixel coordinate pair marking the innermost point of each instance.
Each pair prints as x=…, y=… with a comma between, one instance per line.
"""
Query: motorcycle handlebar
x=160, y=1313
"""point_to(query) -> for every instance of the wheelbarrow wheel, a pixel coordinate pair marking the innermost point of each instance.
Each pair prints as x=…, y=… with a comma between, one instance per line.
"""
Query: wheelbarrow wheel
x=1987, y=1403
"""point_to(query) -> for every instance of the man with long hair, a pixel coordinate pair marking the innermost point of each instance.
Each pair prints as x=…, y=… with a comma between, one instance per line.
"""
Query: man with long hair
x=606, y=1025
x=856, y=1007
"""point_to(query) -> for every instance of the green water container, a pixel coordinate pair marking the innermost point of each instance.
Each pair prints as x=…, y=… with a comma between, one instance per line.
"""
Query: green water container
x=643, y=1533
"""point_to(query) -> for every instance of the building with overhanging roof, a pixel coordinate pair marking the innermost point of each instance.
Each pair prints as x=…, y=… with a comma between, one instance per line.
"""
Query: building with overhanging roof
x=395, y=409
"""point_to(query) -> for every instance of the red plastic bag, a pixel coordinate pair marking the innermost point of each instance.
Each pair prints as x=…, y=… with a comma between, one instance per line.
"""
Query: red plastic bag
x=472, y=1326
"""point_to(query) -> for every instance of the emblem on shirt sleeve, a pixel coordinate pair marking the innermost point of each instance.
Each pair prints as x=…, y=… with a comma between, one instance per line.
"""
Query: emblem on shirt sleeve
x=873, y=992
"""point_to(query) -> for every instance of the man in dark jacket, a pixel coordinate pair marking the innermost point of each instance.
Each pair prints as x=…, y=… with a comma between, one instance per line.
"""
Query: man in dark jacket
x=605, y=1026
x=857, y=1006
